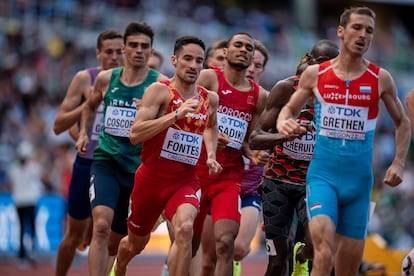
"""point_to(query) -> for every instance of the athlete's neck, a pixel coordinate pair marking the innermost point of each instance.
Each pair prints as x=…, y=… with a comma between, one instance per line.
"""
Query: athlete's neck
x=186, y=90
x=236, y=78
x=132, y=76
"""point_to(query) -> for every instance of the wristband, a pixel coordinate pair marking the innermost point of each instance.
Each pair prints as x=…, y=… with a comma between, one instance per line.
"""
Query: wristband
x=176, y=114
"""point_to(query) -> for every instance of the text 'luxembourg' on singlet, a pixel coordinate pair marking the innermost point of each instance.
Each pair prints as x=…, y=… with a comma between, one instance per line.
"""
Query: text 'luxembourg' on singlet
x=119, y=114
x=346, y=111
x=177, y=148
x=289, y=162
x=235, y=112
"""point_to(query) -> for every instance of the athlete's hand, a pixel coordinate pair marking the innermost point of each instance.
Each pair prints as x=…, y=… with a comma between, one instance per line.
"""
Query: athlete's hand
x=260, y=157
x=213, y=166
x=82, y=143
x=393, y=176
x=189, y=106
x=222, y=141
x=290, y=128
x=137, y=102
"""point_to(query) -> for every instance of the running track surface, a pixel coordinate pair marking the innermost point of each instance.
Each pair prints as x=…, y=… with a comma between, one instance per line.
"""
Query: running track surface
x=145, y=265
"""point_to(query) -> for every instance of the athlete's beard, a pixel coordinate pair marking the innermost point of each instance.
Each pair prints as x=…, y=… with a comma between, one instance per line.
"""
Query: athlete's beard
x=238, y=66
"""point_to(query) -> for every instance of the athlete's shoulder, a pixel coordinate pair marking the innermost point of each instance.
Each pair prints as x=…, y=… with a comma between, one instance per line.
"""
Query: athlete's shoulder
x=213, y=96
x=161, y=77
x=286, y=83
x=82, y=76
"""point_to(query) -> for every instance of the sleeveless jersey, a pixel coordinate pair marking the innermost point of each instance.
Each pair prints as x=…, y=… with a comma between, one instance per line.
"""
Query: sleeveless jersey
x=93, y=133
x=119, y=114
x=234, y=113
x=289, y=162
x=346, y=111
x=176, y=150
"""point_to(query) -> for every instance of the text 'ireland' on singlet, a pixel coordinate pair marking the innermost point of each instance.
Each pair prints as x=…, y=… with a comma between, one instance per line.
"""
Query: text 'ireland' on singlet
x=119, y=114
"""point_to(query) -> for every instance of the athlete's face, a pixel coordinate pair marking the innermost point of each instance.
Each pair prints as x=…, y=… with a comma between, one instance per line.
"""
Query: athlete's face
x=256, y=68
x=188, y=63
x=357, y=35
x=110, y=55
x=154, y=62
x=137, y=50
x=240, y=50
x=216, y=59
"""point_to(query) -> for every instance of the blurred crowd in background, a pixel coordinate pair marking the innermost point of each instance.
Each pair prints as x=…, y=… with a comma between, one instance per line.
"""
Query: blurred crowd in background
x=44, y=43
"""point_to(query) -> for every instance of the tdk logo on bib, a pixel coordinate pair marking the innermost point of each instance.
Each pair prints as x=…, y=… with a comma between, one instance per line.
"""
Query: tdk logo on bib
x=344, y=111
x=233, y=122
x=124, y=113
x=188, y=138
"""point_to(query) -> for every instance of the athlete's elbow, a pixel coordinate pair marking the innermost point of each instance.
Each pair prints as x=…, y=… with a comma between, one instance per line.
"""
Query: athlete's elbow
x=57, y=130
x=252, y=141
x=134, y=139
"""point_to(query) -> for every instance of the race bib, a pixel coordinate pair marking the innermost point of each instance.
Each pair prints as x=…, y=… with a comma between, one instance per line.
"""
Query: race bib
x=234, y=128
x=343, y=121
x=182, y=146
x=98, y=124
x=300, y=148
x=119, y=120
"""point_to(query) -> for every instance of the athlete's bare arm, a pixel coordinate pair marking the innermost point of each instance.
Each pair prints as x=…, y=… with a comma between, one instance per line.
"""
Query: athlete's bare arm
x=264, y=135
x=149, y=120
x=89, y=109
x=208, y=79
x=409, y=102
x=388, y=92
x=286, y=121
x=210, y=135
x=71, y=108
x=260, y=106
x=152, y=118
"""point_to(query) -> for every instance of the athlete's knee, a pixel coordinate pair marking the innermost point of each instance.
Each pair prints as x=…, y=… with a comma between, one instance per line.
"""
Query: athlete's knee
x=225, y=244
x=131, y=247
x=277, y=265
x=74, y=240
x=101, y=228
x=184, y=231
x=241, y=250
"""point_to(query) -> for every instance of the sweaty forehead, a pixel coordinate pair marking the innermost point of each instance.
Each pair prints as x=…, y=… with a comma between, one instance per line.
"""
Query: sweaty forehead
x=242, y=38
x=140, y=38
x=361, y=19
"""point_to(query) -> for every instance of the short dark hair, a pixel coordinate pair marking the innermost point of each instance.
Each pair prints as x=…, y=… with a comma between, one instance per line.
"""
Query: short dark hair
x=134, y=28
x=184, y=40
x=346, y=15
x=158, y=55
x=323, y=50
x=262, y=49
x=239, y=33
x=219, y=44
x=107, y=34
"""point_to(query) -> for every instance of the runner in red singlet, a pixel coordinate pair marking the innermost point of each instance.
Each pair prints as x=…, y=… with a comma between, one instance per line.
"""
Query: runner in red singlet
x=241, y=103
x=175, y=119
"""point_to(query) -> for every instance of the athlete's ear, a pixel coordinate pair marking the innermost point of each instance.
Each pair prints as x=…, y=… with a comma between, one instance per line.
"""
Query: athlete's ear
x=340, y=31
x=174, y=60
x=225, y=51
